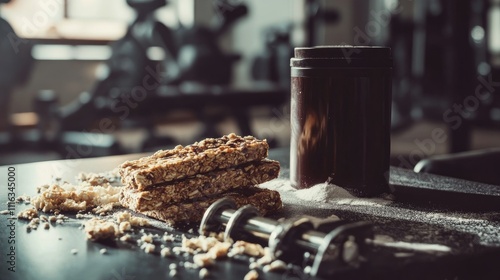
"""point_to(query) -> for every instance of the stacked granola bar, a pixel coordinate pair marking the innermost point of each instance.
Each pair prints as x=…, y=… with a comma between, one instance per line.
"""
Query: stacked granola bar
x=178, y=185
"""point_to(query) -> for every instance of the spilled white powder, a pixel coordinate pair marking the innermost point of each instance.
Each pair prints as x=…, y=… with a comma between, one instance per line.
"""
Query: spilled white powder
x=463, y=219
x=372, y=202
x=386, y=241
x=483, y=226
x=325, y=193
x=280, y=185
x=421, y=247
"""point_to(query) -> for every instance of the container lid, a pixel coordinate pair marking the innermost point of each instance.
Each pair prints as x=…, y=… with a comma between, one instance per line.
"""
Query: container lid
x=342, y=56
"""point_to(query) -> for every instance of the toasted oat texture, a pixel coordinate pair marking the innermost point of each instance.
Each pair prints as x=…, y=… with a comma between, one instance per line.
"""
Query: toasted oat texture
x=200, y=185
x=252, y=275
x=28, y=214
x=200, y=157
x=247, y=248
x=126, y=217
x=265, y=200
x=98, y=229
x=211, y=246
x=98, y=179
x=73, y=198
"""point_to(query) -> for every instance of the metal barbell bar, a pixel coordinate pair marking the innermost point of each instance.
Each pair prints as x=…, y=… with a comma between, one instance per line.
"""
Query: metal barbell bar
x=331, y=241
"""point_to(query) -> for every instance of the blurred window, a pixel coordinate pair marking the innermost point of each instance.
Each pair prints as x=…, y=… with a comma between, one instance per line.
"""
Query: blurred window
x=99, y=9
x=75, y=19
x=494, y=28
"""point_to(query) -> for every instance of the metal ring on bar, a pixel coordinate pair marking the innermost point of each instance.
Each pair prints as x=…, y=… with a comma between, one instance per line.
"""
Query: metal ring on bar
x=330, y=252
x=241, y=215
x=282, y=239
x=208, y=221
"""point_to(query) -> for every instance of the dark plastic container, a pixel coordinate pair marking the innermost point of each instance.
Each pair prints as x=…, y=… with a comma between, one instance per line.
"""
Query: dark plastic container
x=340, y=117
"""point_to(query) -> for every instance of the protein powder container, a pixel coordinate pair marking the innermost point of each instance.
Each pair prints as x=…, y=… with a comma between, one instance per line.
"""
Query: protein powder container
x=341, y=117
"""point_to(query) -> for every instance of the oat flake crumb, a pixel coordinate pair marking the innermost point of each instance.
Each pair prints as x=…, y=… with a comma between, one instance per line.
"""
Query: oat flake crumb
x=204, y=273
x=148, y=248
x=126, y=237
x=148, y=238
x=168, y=237
x=98, y=229
x=203, y=260
x=74, y=198
x=252, y=275
x=165, y=252
x=28, y=214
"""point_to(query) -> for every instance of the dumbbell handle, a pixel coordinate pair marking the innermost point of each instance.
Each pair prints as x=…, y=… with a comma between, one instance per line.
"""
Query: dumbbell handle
x=262, y=228
x=328, y=248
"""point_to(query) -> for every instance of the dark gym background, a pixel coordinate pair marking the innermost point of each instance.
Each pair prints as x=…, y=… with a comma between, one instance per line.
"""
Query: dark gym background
x=82, y=78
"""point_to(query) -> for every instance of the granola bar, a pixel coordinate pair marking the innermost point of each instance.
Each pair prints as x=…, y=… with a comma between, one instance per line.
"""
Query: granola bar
x=200, y=157
x=265, y=200
x=200, y=185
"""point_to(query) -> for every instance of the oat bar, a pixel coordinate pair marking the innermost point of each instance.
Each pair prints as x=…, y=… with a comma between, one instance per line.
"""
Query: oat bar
x=265, y=200
x=200, y=157
x=200, y=185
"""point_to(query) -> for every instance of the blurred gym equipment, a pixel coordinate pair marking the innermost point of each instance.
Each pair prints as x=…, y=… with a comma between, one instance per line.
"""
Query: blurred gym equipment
x=15, y=67
x=444, y=68
x=153, y=70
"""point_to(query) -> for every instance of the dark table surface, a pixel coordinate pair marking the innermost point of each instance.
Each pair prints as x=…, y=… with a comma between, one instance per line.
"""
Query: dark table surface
x=474, y=237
